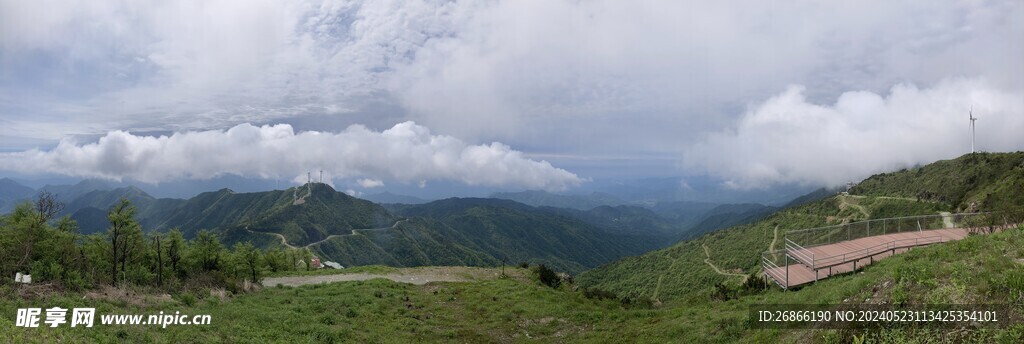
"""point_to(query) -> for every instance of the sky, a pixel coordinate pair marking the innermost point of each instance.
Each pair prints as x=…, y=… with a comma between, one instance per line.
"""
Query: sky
x=526, y=94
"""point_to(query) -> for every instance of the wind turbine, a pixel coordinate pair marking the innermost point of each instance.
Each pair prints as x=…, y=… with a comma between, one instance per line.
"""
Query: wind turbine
x=971, y=114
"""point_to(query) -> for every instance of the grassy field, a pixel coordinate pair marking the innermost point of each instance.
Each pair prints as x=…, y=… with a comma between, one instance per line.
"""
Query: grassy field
x=986, y=269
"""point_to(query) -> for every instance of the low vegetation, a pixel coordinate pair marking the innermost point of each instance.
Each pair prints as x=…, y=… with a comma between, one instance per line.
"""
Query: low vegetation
x=980, y=268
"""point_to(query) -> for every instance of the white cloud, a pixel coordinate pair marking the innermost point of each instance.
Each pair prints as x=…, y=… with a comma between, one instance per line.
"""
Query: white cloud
x=562, y=77
x=369, y=183
x=788, y=139
x=406, y=152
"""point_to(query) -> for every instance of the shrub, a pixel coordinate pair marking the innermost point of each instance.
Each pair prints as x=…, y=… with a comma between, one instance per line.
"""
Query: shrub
x=595, y=293
x=187, y=298
x=548, y=276
x=722, y=292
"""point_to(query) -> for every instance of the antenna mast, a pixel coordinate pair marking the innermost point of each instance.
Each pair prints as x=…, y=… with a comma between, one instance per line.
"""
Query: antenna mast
x=321, y=176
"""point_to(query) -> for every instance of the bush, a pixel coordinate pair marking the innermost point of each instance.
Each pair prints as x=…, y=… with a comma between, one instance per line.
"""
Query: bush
x=547, y=276
x=722, y=292
x=638, y=303
x=187, y=298
x=73, y=280
x=754, y=285
x=595, y=293
x=46, y=271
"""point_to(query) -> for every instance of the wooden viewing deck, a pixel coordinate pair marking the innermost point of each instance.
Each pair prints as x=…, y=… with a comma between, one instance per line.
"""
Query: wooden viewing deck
x=812, y=263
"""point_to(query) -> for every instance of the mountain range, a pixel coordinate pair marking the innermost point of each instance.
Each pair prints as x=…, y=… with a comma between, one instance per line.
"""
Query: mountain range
x=353, y=231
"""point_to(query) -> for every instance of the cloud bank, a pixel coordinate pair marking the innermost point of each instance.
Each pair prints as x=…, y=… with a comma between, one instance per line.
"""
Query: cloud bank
x=557, y=78
x=406, y=152
x=788, y=139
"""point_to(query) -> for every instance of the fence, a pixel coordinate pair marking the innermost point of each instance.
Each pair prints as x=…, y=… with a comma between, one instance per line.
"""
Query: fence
x=811, y=237
x=776, y=264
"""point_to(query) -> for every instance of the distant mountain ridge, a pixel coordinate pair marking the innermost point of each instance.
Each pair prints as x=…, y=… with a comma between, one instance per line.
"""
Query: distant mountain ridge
x=391, y=198
x=546, y=199
x=12, y=192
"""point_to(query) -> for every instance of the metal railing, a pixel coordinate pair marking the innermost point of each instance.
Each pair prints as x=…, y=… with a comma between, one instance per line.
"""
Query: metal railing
x=839, y=259
x=798, y=249
x=800, y=253
x=811, y=237
x=773, y=271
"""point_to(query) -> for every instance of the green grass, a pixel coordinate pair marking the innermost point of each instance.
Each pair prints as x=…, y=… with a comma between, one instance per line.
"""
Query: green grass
x=988, y=180
x=979, y=268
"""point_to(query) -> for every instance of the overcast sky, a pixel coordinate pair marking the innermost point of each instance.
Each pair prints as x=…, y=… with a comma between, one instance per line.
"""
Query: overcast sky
x=539, y=94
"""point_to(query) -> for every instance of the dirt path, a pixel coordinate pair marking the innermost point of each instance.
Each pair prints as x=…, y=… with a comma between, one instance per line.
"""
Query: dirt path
x=707, y=261
x=775, y=239
x=657, y=287
x=354, y=232
x=893, y=197
x=947, y=219
x=417, y=276
x=844, y=202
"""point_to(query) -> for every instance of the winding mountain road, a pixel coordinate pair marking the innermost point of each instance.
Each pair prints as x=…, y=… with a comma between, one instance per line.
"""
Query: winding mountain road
x=354, y=232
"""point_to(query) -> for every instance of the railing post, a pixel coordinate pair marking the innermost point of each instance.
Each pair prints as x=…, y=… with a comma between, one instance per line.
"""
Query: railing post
x=787, y=272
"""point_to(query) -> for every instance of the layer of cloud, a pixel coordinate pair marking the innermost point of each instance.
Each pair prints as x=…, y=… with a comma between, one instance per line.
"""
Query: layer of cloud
x=369, y=183
x=788, y=139
x=559, y=77
x=523, y=71
x=406, y=152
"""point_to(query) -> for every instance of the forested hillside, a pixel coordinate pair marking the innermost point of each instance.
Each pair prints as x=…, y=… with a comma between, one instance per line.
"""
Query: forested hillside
x=971, y=182
x=984, y=181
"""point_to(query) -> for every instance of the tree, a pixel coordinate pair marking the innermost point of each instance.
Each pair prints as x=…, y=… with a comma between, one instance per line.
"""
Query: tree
x=159, y=260
x=207, y=250
x=276, y=259
x=47, y=206
x=249, y=256
x=124, y=234
x=175, y=247
x=307, y=257
x=30, y=225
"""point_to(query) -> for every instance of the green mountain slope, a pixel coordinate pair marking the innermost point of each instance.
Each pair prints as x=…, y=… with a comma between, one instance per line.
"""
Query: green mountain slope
x=302, y=215
x=90, y=209
x=352, y=231
x=985, y=181
x=970, y=182
x=519, y=232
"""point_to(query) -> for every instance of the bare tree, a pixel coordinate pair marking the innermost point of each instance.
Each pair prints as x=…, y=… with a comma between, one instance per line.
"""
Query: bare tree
x=47, y=206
